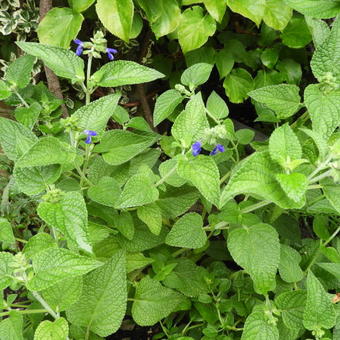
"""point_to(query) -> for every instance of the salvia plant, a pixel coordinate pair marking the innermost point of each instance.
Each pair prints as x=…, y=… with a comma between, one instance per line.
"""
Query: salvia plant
x=203, y=231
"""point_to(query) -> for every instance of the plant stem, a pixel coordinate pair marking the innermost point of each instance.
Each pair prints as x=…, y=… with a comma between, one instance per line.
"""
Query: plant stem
x=45, y=305
x=301, y=120
x=320, y=177
x=322, y=166
x=88, y=75
x=332, y=236
x=20, y=240
x=227, y=175
x=23, y=101
x=255, y=206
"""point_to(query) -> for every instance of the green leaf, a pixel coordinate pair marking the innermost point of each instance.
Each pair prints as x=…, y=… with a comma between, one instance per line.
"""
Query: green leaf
x=63, y=63
x=6, y=268
x=165, y=105
x=333, y=268
x=323, y=9
x=48, y=330
x=47, y=151
x=326, y=58
x=244, y=136
x=142, y=239
x=55, y=264
x=294, y=185
x=196, y=75
x=296, y=34
x=102, y=305
x=224, y=62
x=38, y=243
x=257, y=250
x=289, y=268
x=116, y=16
x=320, y=227
x=190, y=124
x=12, y=134
x=284, y=99
x=187, y=232
x=203, y=173
x=277, y=14
x=95, y=115
x=6, y=231
x=34, y=180
x=124, y=72
x=170, y=176
x=319, y=30
x=69, y=216
x=138, y=190
x=176, y=201
x=151, y=215
x=119, y=146
x=19, y=71
x=319, y=311
x=105, y=192
x=291, y=305
x=257, y=327
x=81, y=5
x=124, y=223
x=237, y=84
x=217, y=106
x=5, y=91
x=154, y=302
x=50, y=32
x=250, y=9
x=188, y=278
x=332, y=193
x=28, y=116
x=195, y=28
x=284, y=145
x=324, y=109
x=163, y=15
x=64, y=294
x=12, y=327
x=256, y=175
x=216, y=8
x=136, y=261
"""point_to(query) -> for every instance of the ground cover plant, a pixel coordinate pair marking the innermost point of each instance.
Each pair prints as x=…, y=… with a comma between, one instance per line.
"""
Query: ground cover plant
x=170, y=170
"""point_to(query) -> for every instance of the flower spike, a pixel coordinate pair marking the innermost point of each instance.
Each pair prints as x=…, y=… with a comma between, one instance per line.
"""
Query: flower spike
x=89, y=134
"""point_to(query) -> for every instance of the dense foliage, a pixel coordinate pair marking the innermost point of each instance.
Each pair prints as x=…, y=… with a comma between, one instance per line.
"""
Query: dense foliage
x=175, y=175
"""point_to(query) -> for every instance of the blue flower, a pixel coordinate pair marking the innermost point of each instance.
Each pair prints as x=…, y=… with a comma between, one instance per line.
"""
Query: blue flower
x=109, y=52
x=196, y=148
x=218, y=148
x=80, y=47
x=89, y=134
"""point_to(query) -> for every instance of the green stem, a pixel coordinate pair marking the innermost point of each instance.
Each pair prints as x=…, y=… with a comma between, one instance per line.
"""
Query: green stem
x=45, y=305
x=332, y=236
x=88, y=75
x=20, y=240
x=255, y=206
x=320, y=177
x=321, y=167
x=26, y=311
x=301, y=120
x=23, y=101
x=227, y=175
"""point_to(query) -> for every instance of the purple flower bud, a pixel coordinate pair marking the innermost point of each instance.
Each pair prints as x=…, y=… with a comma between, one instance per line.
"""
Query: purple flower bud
x=196, y=148
x=80, y=47
x=110, y=52
x=218, y=148
x=89, y=134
